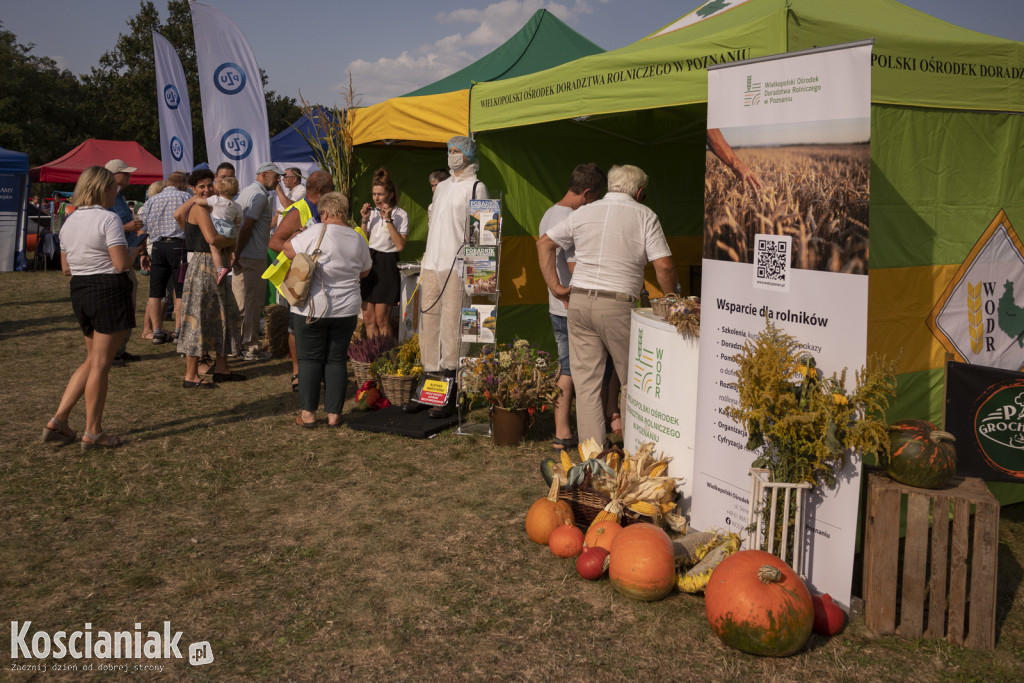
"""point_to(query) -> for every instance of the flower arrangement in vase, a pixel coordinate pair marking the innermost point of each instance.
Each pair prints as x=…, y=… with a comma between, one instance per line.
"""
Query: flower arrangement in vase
x=515, y=376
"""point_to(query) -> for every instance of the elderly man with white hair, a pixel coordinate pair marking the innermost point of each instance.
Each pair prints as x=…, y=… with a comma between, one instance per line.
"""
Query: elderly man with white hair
x=441, y=294
x=614, y=238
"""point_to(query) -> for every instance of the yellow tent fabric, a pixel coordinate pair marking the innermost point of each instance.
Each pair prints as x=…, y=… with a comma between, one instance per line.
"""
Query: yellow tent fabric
x=424, y=119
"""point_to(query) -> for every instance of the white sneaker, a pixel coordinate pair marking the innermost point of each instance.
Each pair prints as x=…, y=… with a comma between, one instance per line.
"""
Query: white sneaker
x=256, y=354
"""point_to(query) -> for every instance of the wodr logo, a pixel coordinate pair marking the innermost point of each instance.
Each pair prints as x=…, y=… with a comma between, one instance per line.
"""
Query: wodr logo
x=980, y=316
x=236, y=144
x=647, y=367
x=999, y=428
x=229, y=78
x=172, y=98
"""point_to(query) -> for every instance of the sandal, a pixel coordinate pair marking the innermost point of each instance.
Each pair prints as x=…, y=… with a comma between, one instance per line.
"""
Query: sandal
x=616, y=419
x=564, y=444
x=295, y=382
x=201, y=384
x=305, y=425
x=62, y=433
x=101, y=440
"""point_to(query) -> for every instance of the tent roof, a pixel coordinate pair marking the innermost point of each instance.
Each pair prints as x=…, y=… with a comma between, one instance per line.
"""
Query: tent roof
x=290, y=146
x=436, y=112
x=94, y=152
x=918, y=60
x=13, y=162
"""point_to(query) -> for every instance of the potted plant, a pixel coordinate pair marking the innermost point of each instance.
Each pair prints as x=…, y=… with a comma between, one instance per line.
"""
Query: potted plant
x=804, y=423
x=515, y=381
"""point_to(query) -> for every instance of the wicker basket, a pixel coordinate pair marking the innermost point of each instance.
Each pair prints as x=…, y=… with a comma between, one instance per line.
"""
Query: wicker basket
x=660, y=307
x=361, y=372
x=398, y=388
x=586, y=503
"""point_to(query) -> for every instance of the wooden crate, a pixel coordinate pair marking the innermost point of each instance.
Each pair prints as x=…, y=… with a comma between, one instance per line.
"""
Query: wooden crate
x=946, y=587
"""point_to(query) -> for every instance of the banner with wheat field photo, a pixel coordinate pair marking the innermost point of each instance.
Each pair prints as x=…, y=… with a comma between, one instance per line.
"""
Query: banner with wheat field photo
x=785, y=241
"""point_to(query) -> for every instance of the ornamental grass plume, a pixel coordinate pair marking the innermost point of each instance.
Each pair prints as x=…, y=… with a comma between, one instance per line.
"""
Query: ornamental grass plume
x=514, y=376
x=806, y=422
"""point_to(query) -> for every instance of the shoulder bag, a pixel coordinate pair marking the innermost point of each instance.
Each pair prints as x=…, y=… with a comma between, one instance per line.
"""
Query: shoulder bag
x=296, y=283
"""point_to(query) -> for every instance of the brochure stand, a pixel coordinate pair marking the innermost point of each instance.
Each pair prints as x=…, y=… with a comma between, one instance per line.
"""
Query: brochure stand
x=479, y=280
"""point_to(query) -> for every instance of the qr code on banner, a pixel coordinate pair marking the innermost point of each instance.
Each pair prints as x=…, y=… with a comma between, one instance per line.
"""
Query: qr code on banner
x=771, y=261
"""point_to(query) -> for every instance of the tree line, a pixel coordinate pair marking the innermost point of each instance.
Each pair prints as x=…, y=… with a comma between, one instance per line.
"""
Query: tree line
x=45, y=111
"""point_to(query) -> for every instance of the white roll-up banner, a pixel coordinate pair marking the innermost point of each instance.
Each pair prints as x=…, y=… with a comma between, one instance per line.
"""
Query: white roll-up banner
x=789, y=244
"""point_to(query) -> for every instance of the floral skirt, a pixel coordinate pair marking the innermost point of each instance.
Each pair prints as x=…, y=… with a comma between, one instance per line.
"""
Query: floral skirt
x=210, y=322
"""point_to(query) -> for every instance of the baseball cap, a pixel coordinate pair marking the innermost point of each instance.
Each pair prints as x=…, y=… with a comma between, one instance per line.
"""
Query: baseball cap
x=269, y=166
x=118, y=166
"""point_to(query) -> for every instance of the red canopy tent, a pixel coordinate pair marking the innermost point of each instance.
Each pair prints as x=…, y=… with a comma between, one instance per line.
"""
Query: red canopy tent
x=97, y=153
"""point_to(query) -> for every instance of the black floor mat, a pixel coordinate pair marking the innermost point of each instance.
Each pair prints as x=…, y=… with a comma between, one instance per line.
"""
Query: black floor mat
x=394, y=420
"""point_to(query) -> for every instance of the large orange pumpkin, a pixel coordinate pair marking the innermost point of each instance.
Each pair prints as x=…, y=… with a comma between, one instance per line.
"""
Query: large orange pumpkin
x=642, y=564
x=756, y=603
x=544, y=516
x=601, y=535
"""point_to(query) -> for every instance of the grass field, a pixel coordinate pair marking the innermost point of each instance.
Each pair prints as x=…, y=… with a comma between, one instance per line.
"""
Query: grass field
x=817, y=195
x=342, y=555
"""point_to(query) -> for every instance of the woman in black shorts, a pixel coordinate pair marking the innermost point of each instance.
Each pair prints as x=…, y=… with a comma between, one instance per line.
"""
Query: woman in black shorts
x=95, y=254
x=386, y=227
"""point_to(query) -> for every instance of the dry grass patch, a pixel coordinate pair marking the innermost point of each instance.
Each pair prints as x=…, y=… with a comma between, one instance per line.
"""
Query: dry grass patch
x=343, y=555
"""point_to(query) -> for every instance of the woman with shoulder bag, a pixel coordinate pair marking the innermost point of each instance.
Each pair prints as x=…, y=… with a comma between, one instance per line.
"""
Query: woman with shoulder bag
x=324, y=323
x=95, y=254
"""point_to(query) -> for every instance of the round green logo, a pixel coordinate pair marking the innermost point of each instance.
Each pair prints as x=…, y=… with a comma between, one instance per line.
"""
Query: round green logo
x=999, y=428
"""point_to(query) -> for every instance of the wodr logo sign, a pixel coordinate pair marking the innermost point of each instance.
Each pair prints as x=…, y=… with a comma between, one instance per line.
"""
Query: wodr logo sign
x=980, y=316
x=999, y=428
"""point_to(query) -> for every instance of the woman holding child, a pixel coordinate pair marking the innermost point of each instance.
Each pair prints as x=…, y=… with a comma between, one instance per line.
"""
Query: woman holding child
x=210, y=322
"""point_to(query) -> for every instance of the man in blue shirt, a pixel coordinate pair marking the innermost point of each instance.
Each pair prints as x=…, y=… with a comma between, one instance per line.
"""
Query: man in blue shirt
x=133, y=233
x=167, y=238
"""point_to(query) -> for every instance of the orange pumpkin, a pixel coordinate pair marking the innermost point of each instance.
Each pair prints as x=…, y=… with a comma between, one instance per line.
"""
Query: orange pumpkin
x=544, y=516
x=756, y=603
x=601, y=535
x=642, y=564
x=566, y=541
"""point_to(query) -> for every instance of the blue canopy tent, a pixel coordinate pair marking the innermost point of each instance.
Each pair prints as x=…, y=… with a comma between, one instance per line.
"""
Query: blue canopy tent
x=13, y=205
x=290, y=148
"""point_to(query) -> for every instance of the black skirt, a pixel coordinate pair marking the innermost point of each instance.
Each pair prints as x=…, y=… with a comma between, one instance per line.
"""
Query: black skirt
x=383, y=284
x=103, y=303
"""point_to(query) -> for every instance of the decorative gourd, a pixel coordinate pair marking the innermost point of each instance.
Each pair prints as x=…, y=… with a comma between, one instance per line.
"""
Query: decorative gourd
x=921, y=455
x=544, y=516
x=756, y=603
x=601, y=535
x=829, y=618
x=642, y=563
x=566, y=541
x=592, y=563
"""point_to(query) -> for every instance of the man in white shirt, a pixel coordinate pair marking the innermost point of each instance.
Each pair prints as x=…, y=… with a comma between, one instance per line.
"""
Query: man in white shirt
x=614, y=238
x=289, y=191
x=586, y=185
x=441, y=295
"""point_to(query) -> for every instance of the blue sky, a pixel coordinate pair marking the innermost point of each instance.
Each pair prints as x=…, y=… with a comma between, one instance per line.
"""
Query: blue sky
x=395, y=46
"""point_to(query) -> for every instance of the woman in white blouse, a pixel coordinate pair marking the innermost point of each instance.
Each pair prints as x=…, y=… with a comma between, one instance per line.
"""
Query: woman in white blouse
x=386, y=227
x=324, y=325
x=95, y=254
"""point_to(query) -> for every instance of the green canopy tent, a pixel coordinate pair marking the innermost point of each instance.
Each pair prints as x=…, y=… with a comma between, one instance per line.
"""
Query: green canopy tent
x=946, y=144
x=407, y=133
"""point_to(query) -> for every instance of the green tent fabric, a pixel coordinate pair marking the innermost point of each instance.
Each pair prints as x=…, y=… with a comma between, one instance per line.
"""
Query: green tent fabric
x=543, y=42
x=416, y=133
x=946, y=147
